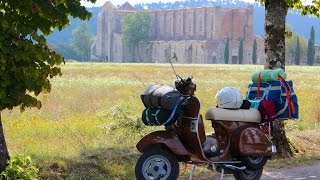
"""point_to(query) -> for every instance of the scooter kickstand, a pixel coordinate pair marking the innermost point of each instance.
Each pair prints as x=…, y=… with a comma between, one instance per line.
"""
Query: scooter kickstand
x=222, y=173
x=192, y=171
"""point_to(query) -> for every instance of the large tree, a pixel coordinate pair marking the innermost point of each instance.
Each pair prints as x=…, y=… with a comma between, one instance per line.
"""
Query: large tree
x=136, y=29
x=82, y=41
x=275, y=20
x=26, y=62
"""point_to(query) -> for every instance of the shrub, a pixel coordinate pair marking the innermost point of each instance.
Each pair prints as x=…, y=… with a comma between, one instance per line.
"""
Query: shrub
x=20, y=167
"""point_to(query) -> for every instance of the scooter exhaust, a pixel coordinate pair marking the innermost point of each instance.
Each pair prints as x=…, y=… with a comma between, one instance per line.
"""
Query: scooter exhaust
x=232, y=167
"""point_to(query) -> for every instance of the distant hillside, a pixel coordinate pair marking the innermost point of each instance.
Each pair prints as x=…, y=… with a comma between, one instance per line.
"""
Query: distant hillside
x=300, y=24
x=65, y=36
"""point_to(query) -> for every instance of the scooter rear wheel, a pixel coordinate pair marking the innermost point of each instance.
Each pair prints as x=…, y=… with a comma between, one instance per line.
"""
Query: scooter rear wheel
x=248, y=174
x=157, y=164
x=254, y=162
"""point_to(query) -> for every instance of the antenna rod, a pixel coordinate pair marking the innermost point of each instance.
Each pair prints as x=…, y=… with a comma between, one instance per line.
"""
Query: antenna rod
x=174, y=57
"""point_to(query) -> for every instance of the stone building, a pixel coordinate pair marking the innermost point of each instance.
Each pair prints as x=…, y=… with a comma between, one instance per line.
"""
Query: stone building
x=197, y=35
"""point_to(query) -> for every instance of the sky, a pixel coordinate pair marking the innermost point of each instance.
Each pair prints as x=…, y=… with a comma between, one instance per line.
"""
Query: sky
x=120, y=2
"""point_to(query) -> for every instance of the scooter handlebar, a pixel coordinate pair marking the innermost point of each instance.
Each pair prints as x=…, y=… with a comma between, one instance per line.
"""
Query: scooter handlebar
x=186, y=86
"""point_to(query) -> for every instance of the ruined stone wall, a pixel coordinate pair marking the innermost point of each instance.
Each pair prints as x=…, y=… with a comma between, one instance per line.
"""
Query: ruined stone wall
x=205, y=23
x=161, y=51
x=196, y=34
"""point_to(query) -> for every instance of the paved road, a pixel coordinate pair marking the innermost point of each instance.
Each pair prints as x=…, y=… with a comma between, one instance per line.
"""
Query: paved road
x=304, y=172
x=308, y=171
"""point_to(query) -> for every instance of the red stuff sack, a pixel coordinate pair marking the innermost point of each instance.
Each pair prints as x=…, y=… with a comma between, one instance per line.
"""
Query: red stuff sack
x=267, y=110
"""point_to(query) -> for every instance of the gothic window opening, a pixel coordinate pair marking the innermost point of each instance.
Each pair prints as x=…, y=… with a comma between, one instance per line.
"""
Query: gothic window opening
x=179, y=25
x=212, y=23
x=200, y=24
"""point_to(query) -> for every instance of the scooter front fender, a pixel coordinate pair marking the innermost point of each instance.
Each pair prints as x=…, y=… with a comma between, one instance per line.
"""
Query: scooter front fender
x=250, y=141
x=166, y=138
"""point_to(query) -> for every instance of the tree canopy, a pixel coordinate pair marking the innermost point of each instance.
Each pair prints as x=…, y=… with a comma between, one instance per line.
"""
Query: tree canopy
x=82, y=41
x=136, y=27
x=26, y=61
x=276, y=11
x=309, y=8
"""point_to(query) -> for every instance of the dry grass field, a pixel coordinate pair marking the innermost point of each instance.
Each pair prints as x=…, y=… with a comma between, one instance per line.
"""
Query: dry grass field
x=90, y=122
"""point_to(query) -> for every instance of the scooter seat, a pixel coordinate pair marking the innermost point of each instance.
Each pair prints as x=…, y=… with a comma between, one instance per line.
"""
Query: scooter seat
x=242, y=115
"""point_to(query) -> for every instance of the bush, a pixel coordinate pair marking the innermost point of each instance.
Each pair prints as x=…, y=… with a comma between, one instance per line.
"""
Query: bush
x=121, y=120
x=20, y=167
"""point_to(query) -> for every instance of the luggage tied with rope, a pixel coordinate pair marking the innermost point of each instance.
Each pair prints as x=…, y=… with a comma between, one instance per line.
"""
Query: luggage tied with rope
x=280, y=92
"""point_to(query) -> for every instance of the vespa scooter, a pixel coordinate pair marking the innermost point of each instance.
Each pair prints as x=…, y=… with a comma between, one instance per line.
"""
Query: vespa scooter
x=240, y=144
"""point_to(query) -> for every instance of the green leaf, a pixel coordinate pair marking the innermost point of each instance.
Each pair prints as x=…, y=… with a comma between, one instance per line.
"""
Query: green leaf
x=26, y=63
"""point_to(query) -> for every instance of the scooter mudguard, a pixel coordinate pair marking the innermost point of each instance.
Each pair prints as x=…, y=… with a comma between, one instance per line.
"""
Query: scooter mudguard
x=250, y=141
x=166, y=138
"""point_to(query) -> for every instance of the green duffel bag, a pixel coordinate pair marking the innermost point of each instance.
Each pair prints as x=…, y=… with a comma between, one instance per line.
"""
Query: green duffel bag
x=268, y=75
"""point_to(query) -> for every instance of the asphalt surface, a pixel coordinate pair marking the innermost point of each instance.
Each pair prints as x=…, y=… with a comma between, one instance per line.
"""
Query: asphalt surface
x=308, y=171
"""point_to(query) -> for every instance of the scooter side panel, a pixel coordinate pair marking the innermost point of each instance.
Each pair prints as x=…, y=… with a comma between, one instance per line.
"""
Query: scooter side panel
x=167, y=138
x=251, y=141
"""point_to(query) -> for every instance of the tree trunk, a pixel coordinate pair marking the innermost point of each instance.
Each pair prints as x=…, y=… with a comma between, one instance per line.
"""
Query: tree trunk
x=275, y=20
x=4, y=155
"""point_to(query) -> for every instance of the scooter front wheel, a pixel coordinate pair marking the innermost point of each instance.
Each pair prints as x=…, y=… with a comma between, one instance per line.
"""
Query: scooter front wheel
x=248, y=174
x=157, y=164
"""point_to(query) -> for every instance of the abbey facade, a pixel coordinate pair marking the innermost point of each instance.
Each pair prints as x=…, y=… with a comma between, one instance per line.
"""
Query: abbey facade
x=197, y=35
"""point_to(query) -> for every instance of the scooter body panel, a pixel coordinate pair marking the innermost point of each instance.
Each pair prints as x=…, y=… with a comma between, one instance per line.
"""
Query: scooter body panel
x=251, y=141
x=167, y=138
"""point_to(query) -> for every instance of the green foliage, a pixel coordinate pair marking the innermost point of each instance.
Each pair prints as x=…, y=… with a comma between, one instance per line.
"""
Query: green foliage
x=136, y=27
x=254, y=52
x=26, y=62
x=291, y=46
x=82, y=41
x=121, y=121
x=312, y=8
x=20, y=167
x=66, y=50
x=311, y=49
x=312, y=33
x=226, y=51
x=240, y=51
x=297, y=53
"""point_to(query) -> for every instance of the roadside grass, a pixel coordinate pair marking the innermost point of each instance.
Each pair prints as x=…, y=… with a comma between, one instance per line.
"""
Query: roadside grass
x=90, y=122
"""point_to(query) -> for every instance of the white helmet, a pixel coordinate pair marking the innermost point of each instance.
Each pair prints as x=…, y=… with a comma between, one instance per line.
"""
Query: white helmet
x=229, y=98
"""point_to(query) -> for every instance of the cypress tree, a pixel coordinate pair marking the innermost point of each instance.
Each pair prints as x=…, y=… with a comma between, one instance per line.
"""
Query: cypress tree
x=254, y=52
x=240, y=51
x=297, y=53
x=312, y=33
x=226, y=52
x=311, y=50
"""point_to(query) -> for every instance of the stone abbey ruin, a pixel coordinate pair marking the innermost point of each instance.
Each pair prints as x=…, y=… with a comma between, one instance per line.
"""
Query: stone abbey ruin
x=197, y=35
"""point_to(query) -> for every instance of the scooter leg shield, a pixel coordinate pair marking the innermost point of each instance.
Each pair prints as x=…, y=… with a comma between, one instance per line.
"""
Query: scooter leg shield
x=162, y=138
x=250, y=141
